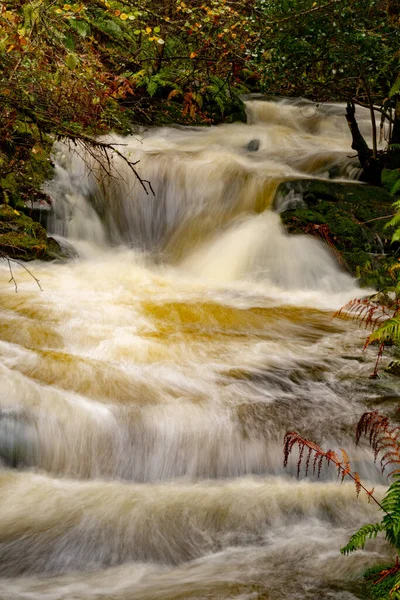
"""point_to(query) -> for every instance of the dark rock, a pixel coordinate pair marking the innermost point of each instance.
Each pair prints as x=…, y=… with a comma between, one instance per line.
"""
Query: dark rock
x=22, y=238
x=393, y=368
x=350, y=218
x=253, y=145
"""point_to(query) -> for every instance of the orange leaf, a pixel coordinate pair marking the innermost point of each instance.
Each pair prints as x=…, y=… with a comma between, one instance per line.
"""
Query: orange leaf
x=193, y=55
x=358, y=483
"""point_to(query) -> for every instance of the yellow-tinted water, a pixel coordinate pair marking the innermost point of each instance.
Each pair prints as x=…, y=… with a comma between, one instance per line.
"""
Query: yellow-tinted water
x=145, y=391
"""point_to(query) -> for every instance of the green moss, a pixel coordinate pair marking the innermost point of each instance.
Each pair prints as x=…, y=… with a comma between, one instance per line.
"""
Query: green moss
x=389, y=178
x=24, y=239
x=351, y=219
x=393, y=368
x=381, y=590
x=24, y=165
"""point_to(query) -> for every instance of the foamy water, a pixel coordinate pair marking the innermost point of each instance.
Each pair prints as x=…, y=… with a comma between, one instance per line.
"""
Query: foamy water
x=146, y=391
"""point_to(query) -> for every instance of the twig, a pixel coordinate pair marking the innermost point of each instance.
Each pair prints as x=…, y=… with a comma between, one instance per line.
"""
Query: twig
x=10, y=260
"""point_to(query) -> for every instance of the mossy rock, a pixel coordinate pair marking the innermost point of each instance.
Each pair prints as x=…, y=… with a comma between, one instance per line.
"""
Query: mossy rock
x=351, y=219
x=24, y=239
x=393, y=368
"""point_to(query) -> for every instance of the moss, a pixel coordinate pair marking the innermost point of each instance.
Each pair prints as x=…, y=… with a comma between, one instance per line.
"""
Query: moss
x=24, y=239
x=24, y=165
x=389, y=178
x=381, y=590
x=393, y=368
x=351, y=219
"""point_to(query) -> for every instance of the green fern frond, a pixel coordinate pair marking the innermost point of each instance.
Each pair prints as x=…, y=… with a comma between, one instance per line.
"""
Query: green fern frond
x=395, y=591
x=395, y=89
x=395, y=189
x=391, y=501
x=396, y=205
x=358, y=539
x=395, y=221
x=388, y=331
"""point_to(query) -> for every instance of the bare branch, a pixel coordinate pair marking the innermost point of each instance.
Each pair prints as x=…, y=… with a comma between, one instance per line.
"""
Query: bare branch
x=9, y=261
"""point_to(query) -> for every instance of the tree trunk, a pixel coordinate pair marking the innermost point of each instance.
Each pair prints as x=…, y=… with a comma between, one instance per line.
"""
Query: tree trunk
x=372, y=167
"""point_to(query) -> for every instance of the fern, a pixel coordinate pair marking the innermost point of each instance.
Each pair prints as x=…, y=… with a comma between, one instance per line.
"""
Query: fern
x=382, y=581
x=395, y=89
x=384, y=440
x=394, y=221
x=395, y=189
x=396, y=205
x=358, y=539
x=388, y=331
x=383, y=319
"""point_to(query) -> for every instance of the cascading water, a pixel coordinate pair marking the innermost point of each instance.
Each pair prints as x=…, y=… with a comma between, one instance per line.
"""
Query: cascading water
x=147, y=389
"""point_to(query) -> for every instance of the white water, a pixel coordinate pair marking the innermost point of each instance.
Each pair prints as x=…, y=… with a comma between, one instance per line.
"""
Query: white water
x=147, y=389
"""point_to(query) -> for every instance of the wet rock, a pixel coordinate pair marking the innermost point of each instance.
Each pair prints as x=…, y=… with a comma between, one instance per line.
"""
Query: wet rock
x=253, y=145
x=22, y=238
x=393, y=368
x=350, y=218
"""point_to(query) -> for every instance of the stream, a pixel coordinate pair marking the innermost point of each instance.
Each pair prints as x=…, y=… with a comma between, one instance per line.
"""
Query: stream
x=147, y=389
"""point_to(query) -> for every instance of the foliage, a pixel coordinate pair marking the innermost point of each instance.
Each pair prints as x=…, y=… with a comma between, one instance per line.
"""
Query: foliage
x=346, y=49
x=384, y=440
x=382, y=315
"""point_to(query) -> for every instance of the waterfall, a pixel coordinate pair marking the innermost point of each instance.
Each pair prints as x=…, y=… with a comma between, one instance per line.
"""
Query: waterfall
x=146, y=391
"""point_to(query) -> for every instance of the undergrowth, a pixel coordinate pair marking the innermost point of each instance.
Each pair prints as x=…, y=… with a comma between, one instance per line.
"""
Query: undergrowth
x=384, y=439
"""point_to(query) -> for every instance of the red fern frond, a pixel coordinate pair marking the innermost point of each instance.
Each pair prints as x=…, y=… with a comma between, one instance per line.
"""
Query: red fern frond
x=387, y=572
x=367, y=311
x=357, y=481
x=370, y=494
x=293, y=439
x=346, y=463
x=383, y=439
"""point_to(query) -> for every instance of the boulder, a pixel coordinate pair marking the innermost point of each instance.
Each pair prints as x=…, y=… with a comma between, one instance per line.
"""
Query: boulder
x=22, y=238
x=350, y=218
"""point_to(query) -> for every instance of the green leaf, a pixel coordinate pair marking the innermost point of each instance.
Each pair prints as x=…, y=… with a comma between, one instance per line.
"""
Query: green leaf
x=152, y=87
x=69, y=42
x=80, y=27
x=72, y=61
x=358, y=539
x=113, y=28
x=395, y=88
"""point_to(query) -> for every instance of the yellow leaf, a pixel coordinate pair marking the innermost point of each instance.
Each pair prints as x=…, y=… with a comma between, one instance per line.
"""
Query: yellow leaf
x=193, y=55
x=10, y=47
x=148, y=29
x=11, y=17
x=17, y=213
x=173, y=94
x=67, y=7
x=123, y=16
